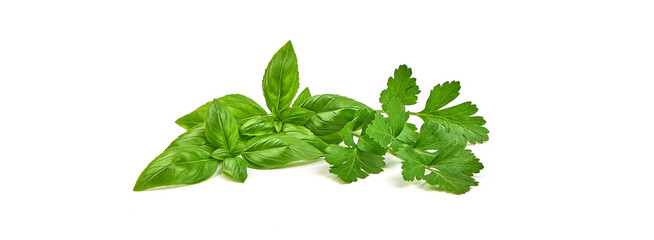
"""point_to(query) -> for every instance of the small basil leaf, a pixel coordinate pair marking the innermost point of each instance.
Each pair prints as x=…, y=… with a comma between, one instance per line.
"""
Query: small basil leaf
x=296, y=115
x=276, y=150
x=281, y=79
x=241, y=107
x=332, y=113
x=302, y=97
x=259, y=125
x=235, y=168
x=220, y=154
x=195, y=136
x=221, y=127
x=303, y=134
x=178, y=165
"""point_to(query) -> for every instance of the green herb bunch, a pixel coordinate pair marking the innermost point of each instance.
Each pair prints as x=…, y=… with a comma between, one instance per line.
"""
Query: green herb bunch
x=237, y=133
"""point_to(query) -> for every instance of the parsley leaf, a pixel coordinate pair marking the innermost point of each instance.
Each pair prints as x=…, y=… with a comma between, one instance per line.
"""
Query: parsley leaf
x=403, y=86
x=350, y=164
x=458, y=118
x=450, y=170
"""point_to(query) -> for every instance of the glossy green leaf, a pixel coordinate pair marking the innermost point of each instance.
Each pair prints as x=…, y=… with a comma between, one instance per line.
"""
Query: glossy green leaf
x=195, y=136
x=458, y=119
x=409, y=134
x=236, y=168
x=281, y=79
x=351, y=164
x=367, y=144
x=303, y=134
x=178, y=165
x=434, y=137
x=380, y=131
x=277, y=150
x=220, y=154
x=302, y=97
x=450, y=170
x=403, y=87
x=258, y=125
x=397, y=116
x=332, y=113
x=241, y=107
x=296, y=115
x=346, y=133
x=221, y=127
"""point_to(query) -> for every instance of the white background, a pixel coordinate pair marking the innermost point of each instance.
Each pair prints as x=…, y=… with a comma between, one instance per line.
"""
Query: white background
x=89, y=91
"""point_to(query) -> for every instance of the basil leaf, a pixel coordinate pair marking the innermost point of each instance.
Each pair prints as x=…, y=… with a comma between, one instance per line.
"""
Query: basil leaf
x=241, y=107
x=276, y=150
x=178, y=165
x=259, y=125
x=235, y=168
x=332, y=113
x=195, y=136
x=303, y=134
x=302, y=97
x=220, y=154
x=221, y=127
x=281, y=79
x=296, y=115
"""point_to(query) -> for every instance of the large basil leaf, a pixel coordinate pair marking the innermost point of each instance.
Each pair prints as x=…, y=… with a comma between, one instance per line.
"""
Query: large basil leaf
x=178, y=165
x=195, y=136
x=259, y=125
x=221, y=127
x=235, y=168
x=296, y=115
x=281, y=79
x=276, y=150
x=303, y=134
x=241, y=107
x=332, y=113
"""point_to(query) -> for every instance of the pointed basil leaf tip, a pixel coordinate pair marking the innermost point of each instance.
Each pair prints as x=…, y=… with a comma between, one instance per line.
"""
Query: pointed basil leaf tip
x=177, y=165
x=351, y=164
x=258, y=125
x=302, y=97
x=277, y=150
x=281, y=79
x=221, y=127
x=241, y=107
x=458, y=119
x=401, y=86
x=235, y=168
x=332, y=112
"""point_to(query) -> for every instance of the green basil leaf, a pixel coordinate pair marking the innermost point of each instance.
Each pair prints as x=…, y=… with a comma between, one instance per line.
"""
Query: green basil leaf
x=195, y=136
x=281, y=79
x=220, y=154
x=178, y=165
x=259, y=125
x=303, y=134
x=302, y=97
x=241, y=107
x=221, y=127
x=235, y=168
x=332, y=113
x=276, y=150
x=296, y=115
